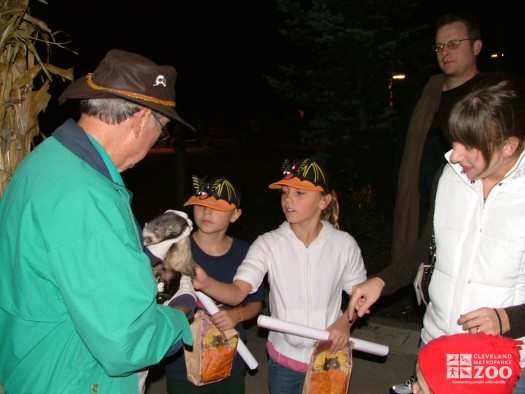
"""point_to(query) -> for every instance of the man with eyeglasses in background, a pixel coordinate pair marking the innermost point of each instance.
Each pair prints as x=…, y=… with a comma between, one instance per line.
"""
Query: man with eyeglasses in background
x=457, y=44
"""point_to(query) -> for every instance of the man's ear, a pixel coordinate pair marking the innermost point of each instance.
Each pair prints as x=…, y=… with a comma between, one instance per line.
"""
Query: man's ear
x=477, y=47
x=142, y=119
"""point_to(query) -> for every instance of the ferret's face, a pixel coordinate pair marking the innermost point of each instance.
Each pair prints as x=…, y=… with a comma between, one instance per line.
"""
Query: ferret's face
x=166, y=226
x=151, y=237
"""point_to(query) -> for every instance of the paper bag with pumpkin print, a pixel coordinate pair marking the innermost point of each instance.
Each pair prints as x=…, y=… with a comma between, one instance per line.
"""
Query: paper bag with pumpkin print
x=327, y=372
x=211, y=357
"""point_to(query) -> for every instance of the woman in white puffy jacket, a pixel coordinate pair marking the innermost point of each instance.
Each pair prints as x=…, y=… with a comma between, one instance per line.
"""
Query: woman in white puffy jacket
x=478, y=284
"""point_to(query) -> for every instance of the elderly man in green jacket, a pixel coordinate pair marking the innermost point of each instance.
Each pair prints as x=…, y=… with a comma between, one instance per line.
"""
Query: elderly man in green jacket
x=77, y=296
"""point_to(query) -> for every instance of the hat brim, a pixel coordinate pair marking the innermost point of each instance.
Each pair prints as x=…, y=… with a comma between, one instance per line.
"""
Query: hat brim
x=296, y=183
x=80, y=89
x=211, y=202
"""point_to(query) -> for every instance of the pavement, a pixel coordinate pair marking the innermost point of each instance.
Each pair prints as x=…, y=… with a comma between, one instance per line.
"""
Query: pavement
x=370, y=374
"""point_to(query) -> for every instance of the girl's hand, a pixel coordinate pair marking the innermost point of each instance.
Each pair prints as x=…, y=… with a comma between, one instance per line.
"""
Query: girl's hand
x=339, y=333
x=485, y=320
x=201, y=278
x=226, y=319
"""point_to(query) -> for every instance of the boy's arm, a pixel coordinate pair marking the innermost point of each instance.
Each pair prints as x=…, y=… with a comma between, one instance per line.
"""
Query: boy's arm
x=227, y=293
x=229, y=318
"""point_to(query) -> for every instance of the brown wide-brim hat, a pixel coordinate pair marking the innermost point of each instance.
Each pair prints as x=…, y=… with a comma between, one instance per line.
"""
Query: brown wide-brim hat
x=132, y=77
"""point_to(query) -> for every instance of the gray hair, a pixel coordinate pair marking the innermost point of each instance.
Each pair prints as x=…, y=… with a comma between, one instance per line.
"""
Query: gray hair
x=109, y=110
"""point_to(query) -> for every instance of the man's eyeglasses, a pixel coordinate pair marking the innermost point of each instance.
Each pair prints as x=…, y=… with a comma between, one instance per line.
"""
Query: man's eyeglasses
x=452, y=44
x=164, y=133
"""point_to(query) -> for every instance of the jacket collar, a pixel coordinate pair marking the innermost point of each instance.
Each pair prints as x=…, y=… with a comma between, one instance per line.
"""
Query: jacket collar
x=515, y=172
x=71, y=135
x=286, y=231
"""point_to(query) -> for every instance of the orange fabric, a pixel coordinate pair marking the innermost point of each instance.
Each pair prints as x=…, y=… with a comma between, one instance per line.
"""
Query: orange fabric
x=211, y=202
x=296, y=183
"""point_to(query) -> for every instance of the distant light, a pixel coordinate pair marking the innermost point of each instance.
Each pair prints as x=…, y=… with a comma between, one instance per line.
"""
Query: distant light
x=495, y=55
x=399, y=76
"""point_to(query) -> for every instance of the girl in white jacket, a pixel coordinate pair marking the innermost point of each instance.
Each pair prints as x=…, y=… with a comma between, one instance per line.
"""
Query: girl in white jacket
x=309, y=263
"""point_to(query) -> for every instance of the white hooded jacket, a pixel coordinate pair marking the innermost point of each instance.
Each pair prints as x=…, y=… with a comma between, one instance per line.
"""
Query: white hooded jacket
x=306, y=283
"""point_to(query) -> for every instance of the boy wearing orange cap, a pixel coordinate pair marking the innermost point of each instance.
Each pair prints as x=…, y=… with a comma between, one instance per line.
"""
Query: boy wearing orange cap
x=216, y=204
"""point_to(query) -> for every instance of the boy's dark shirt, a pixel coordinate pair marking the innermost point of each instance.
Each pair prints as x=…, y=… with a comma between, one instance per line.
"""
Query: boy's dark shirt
x=221, y=268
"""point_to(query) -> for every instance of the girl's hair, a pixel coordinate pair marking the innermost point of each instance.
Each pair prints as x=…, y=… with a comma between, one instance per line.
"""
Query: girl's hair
x=487, y=117
x=331, y=212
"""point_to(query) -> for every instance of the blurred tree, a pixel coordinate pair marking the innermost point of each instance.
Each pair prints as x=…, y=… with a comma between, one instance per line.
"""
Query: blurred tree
x=24, y=82
x=347, y=52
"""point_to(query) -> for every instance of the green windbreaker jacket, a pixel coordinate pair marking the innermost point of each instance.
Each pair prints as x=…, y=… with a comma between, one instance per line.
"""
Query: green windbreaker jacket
x=77, y=295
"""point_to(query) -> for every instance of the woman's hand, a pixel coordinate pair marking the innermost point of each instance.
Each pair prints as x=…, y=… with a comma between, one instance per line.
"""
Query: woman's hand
x=486, y=320
x=364, y=295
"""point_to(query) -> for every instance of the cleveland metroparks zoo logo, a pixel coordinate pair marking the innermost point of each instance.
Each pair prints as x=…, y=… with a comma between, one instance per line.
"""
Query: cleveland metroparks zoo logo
x=479, y=368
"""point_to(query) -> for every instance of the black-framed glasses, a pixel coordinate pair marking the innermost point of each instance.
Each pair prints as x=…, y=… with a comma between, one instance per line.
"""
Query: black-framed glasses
x=452, y=44
x=164, y=133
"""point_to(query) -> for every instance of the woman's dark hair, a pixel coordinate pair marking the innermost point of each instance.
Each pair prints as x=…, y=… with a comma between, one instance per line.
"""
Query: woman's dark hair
x=487, y=117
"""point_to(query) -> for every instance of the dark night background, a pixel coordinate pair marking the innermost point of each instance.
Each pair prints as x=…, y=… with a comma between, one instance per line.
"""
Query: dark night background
x=222, y=49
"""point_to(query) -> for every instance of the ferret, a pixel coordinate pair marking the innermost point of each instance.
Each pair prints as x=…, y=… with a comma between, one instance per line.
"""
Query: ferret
x=178, y=260
x=169, y=225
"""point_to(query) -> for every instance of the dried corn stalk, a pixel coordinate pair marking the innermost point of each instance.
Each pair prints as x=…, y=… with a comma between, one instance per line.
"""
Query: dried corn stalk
x=24, y=82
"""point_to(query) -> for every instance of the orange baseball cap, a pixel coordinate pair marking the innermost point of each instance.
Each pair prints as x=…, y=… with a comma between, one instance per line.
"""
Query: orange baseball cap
x=303, y=174
x=216, y=193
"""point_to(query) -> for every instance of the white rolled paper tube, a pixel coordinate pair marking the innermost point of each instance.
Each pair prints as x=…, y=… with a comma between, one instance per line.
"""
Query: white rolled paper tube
x=243, y=351
x=315, y=333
